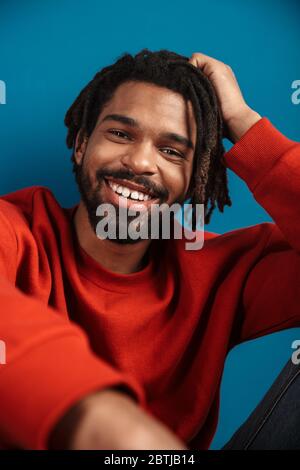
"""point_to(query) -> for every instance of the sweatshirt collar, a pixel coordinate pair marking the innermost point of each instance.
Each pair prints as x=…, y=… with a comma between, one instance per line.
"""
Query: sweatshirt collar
x=98, y=274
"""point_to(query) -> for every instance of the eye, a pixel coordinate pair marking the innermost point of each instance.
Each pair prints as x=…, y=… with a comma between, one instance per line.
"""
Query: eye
x=173, y=152
x=120, y=134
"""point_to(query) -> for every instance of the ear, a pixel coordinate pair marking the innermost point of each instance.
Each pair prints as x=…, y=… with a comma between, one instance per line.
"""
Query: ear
x=80, y=147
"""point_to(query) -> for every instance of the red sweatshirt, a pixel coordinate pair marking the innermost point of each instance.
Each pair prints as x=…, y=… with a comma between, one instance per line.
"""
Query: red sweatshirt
x=71, y=327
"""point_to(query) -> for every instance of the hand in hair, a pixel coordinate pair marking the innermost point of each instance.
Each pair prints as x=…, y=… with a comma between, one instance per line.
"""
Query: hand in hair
x=168, y=69
x=237, y=115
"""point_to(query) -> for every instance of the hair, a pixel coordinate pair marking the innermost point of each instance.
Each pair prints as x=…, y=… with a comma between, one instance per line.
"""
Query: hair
x=208, y=183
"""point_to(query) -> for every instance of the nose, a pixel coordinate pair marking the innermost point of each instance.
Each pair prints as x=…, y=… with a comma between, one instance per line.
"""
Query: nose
x=141, y=159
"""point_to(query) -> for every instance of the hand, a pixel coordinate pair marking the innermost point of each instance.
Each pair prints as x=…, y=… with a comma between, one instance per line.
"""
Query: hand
x=237, y=115
x=110, y=419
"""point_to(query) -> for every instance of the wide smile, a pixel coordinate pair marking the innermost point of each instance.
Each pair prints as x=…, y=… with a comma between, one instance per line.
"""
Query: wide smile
x=124, y=196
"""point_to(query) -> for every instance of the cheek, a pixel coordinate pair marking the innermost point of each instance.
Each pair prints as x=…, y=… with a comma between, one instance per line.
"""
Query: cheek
x=101, y=154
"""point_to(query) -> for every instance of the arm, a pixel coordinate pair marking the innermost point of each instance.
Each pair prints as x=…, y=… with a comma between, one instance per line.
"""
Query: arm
x=269, y=163
x=53, y=390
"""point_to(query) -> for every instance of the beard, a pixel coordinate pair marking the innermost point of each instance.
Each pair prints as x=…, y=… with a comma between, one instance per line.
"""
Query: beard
x=92, y=199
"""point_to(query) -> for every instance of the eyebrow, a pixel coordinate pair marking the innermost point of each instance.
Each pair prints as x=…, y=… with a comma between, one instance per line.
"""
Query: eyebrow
x=134, y=123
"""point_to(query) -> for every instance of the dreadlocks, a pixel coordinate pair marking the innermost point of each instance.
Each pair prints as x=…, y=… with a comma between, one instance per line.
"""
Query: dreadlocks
x=208, y=184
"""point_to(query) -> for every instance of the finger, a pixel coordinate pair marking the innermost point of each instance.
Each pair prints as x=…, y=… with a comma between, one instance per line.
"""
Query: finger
x=202, y=58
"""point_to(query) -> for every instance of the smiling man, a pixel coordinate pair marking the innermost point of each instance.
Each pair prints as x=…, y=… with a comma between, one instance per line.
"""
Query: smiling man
x=140, y=153
x=121, y=343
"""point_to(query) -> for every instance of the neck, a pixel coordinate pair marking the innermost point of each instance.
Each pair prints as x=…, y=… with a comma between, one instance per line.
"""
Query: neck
x=115, y=257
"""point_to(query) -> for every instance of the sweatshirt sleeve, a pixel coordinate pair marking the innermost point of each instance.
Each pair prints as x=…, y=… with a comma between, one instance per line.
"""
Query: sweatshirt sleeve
x=269, y=163
x=46, y=363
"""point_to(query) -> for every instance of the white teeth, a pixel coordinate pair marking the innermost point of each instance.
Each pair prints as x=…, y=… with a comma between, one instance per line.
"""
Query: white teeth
x=136, y=195
x=126, y=192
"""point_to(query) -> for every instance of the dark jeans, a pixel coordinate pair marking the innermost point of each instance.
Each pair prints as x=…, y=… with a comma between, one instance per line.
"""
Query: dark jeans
x=275, y=422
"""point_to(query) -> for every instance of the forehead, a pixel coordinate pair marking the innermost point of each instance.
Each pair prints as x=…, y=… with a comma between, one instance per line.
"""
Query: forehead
x=153, y=107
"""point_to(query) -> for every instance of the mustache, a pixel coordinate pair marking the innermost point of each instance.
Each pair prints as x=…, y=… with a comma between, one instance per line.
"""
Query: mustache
x=126, y=174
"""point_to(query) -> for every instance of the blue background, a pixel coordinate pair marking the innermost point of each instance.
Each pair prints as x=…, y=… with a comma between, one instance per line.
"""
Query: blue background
x=49, y=50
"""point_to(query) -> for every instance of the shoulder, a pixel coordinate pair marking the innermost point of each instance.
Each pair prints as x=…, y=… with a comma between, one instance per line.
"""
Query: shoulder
x=16, y=208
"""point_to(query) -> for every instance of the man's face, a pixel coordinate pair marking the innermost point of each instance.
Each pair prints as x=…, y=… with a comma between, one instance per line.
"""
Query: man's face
x=143, y=141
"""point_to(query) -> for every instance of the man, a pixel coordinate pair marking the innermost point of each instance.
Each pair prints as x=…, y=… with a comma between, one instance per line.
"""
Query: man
x=121, y=343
